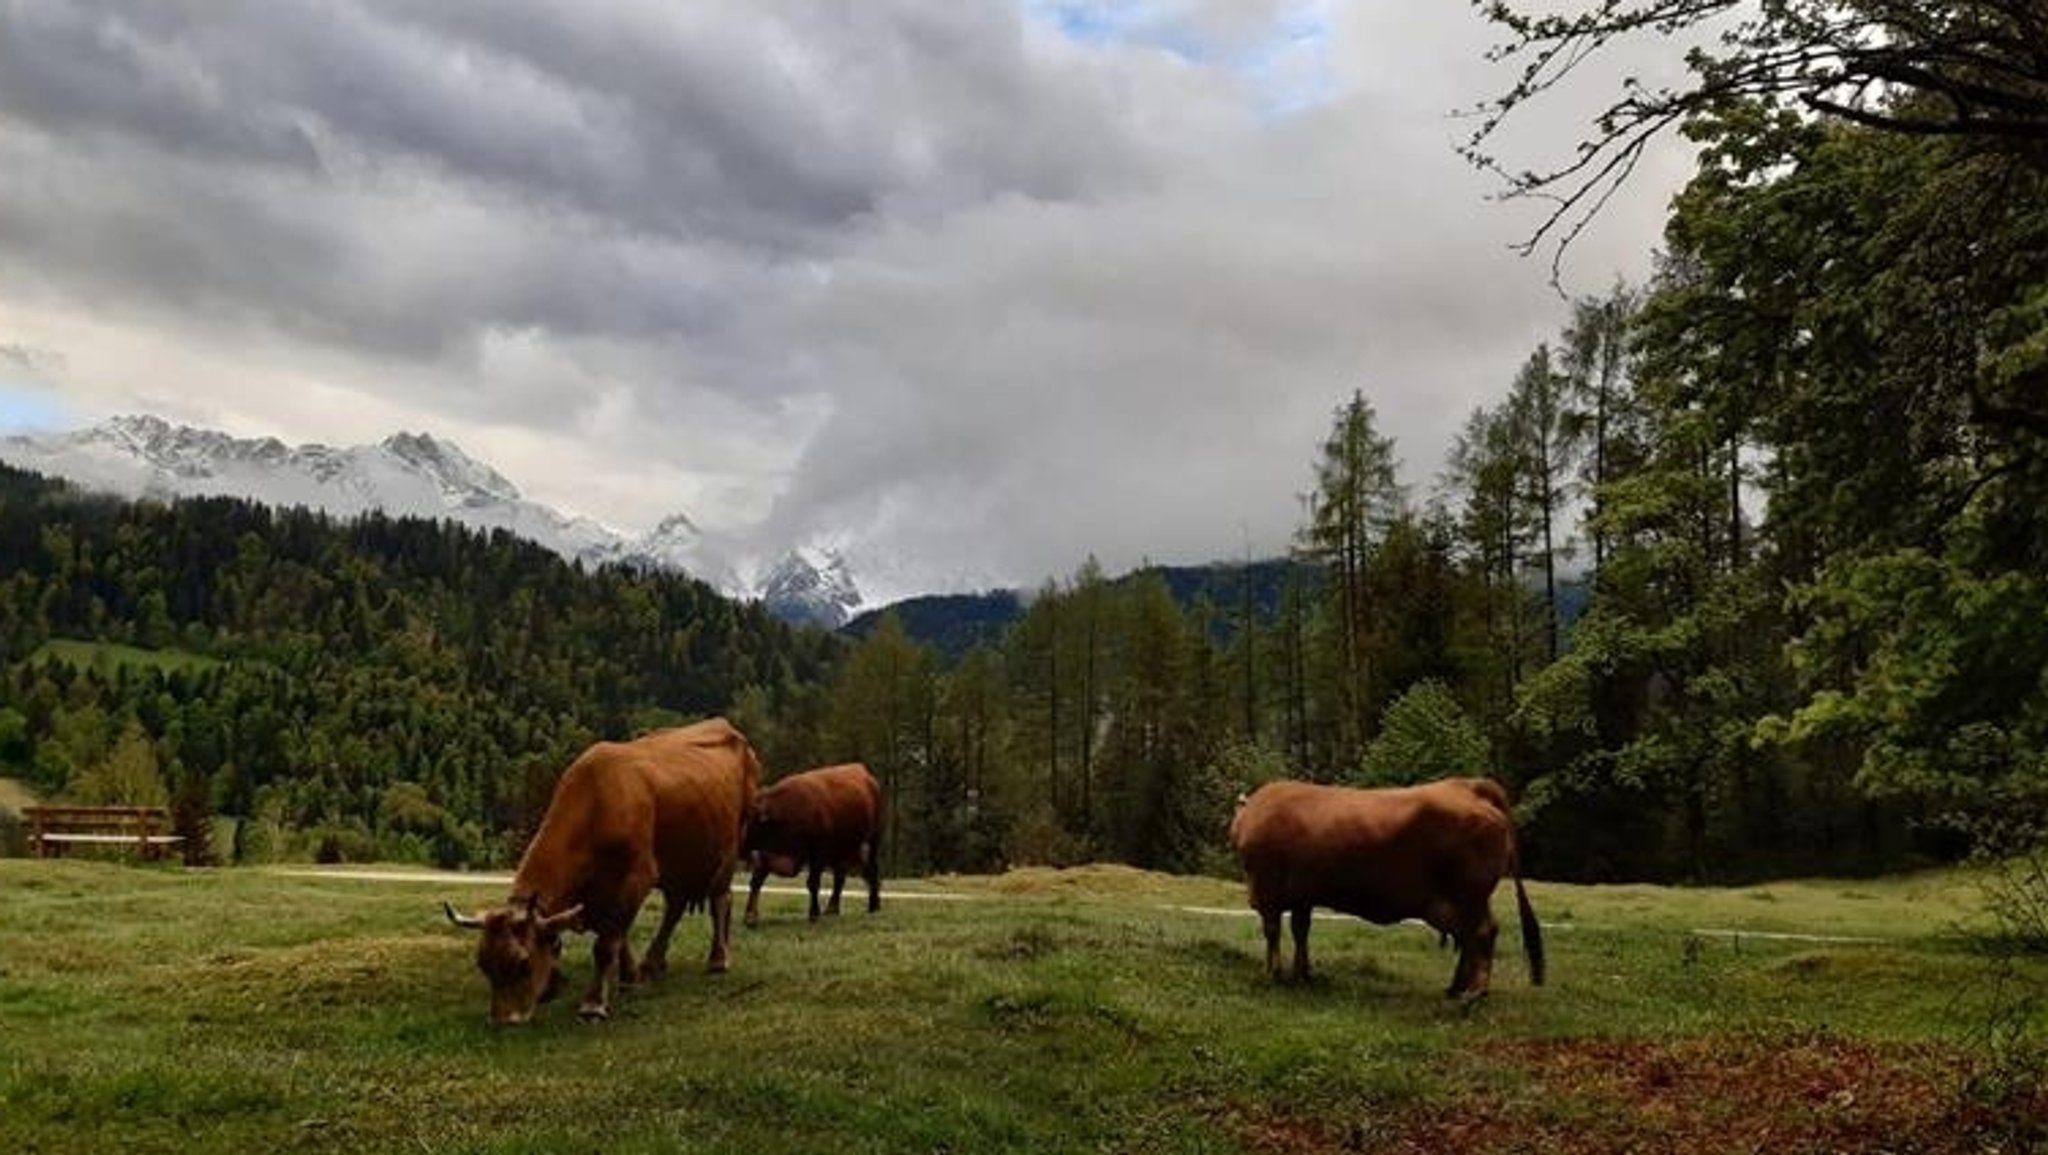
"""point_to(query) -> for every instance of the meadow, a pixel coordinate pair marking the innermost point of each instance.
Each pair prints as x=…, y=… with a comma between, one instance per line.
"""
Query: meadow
x=106, y=657
x=147, y=1009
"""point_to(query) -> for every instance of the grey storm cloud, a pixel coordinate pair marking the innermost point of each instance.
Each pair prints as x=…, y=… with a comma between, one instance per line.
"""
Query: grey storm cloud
x=985, y=286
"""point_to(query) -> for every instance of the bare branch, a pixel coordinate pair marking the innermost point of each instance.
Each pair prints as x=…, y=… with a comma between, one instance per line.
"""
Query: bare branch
x=1972, y=68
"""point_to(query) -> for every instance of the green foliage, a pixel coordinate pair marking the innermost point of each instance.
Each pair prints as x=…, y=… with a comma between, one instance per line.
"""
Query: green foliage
x=1425, y=735
x=332, y=660
x=192, y=819
x=2016, y=897
x=107, y=657
x=1948, y=703
x=1356, y=502
x=127, y=776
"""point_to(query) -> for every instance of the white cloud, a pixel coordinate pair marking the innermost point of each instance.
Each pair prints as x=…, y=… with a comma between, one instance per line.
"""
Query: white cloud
x=980, y=289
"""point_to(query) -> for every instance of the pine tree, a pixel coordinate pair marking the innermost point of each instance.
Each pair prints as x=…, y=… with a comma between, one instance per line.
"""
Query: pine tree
x=1356, y=497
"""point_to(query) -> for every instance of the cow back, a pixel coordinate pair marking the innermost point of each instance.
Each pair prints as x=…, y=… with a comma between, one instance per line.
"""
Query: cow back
x=1382, y=854
x=669, y=805
x=702, y=779
x=825, y=815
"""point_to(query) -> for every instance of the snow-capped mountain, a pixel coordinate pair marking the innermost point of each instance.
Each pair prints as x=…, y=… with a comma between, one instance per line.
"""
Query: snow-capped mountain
x=406, y=474
x=418, y=475
x=812, y=587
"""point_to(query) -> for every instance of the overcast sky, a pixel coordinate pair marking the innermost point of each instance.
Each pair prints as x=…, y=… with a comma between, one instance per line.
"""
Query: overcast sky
x=985, y=287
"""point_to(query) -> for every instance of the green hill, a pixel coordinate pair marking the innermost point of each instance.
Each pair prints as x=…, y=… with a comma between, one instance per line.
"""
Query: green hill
x=106, y=656
x=322, y=675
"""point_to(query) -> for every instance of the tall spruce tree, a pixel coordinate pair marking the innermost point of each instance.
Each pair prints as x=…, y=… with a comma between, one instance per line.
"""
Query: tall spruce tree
x=1357, y=496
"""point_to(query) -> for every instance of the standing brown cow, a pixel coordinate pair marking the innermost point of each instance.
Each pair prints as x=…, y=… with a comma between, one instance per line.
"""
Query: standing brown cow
x=1433, y=852
x=826, y=817
x=668, y=809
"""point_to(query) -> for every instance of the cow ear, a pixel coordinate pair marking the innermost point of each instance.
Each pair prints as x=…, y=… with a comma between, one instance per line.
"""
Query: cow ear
x=562, y=918
x=465, y=921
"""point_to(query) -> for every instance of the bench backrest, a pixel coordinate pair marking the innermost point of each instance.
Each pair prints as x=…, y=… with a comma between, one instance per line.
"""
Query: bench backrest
x=97, y=817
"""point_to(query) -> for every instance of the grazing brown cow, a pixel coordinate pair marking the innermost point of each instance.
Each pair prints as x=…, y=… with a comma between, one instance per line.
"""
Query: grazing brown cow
x=1433, y=852
x=819, y=818
x=667, y=809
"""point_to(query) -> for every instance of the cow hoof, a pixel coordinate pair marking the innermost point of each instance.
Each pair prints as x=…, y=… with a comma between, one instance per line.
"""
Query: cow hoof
x=752, y=919
x=718, y=966
x=652, y=969
x=593, y=1012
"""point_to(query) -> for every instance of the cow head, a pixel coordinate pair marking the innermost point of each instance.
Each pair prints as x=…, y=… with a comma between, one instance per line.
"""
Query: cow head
x=518, y=953
x=769, y=842
x=764, y=826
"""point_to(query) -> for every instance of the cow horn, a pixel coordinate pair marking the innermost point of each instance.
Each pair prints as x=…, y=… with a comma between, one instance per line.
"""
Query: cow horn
x=465, y=921
x=562, y=918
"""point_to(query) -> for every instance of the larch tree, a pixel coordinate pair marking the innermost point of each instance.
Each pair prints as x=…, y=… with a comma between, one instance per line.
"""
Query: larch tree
x=1357, y=496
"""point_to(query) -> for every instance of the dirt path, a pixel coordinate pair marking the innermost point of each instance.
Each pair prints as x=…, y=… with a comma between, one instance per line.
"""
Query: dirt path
x=463, y=878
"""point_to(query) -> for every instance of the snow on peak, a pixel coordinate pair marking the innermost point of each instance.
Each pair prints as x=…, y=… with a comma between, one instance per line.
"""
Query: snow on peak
x=460, y=476
x=421, y=475
x=811, y=586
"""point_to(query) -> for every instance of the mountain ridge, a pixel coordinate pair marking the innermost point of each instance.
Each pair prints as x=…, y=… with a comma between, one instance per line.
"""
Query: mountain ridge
x=416, y=474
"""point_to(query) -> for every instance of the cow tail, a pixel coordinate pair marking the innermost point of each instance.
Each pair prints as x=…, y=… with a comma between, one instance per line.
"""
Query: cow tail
x=1532, y=931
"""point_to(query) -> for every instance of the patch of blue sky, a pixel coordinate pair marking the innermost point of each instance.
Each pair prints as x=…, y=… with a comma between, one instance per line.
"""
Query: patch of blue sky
x=1291, y=70
x=1284, y=69
x=26, y=408
x=1151, y=23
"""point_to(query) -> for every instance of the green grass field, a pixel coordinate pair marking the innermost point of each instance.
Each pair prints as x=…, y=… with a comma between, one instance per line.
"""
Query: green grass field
x=109, y=655
x=1101, y=1009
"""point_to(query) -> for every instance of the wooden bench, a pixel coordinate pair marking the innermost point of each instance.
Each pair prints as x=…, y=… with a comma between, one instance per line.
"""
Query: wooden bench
x=52, y=828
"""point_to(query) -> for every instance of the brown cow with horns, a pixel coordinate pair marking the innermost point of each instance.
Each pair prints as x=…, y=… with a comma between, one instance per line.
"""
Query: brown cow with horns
x=832, y=817
x=667, y=809
x=1433, y=852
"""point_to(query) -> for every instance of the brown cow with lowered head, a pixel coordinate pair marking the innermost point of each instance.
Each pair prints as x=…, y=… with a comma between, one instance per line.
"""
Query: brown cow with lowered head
x=1433, y=852
x=667, y=809
x=819, y=818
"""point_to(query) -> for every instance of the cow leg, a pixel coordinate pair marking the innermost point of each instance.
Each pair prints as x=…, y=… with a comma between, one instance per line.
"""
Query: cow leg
x=754, y=895
x=1475, y=957
x=655, y=963
x=872, y=871
x=1483, y=941
x=721, y=931
x=605, y=955
x=838, y=885
x=816, y=876
x=1269, y=921
x=1299, y=919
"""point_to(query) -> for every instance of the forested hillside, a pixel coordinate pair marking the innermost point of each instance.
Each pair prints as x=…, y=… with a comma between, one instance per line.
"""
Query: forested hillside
x=397, y=685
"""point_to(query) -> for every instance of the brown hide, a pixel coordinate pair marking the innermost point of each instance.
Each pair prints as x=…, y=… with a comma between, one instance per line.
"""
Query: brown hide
x=1432, y=852
x=829, y=818
x=665, y=809
x=1490, y=791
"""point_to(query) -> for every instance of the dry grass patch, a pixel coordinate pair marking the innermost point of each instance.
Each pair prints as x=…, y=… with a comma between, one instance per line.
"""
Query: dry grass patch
x=1809, y=1091
x=1097, y=880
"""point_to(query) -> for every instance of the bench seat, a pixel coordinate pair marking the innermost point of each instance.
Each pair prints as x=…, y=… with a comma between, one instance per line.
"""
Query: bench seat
x=146, y=828
x=130, y=839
